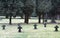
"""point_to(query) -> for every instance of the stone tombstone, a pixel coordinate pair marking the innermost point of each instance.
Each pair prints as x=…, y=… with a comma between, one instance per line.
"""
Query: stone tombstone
x=19, y=28
x=56, y=27
x=45, y=24
x=35, y=26
x=3, y=27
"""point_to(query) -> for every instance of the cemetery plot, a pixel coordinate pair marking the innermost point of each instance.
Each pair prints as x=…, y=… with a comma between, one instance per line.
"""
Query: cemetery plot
x=11, y=31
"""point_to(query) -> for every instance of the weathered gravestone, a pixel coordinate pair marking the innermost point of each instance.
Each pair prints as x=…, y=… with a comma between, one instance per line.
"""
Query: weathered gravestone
x=45, y=24
x=35, y=26
x=19, y=28
x=56, y=28
x=3, y=27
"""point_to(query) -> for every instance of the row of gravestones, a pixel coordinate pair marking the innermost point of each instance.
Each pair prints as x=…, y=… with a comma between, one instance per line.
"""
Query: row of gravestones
x=35, y=27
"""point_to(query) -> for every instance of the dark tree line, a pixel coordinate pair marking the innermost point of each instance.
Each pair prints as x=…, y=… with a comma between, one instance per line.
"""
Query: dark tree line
x=27, y=10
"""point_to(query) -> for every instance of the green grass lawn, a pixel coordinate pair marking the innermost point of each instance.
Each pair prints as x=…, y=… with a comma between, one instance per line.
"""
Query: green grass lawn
x=28, y=31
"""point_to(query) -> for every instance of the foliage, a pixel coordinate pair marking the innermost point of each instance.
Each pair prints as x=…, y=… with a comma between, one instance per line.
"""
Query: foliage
x=44, y=5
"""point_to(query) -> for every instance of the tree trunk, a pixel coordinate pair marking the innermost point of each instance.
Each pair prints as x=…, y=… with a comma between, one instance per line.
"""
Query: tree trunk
x=46, y=17
x=26, y=19
x=6, y=15
x=10, y=20
x=39, y=19
x=43, y=18
x=53, y=20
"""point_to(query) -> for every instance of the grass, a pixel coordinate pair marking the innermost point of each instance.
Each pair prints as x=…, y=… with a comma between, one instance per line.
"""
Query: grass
x=29, y=32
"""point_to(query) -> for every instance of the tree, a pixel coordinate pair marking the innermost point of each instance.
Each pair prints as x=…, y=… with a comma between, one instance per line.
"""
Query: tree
x=53, y=10
x=19, y=13
x=38, y=12
x=10, y=17
x=5, y=7
x=53, y=13
x=27, y=11
x=58, y=9
x=11, y=8
x=43, y=7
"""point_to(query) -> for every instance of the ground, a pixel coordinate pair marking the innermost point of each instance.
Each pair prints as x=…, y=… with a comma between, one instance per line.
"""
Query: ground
x=34, y=20
x=28, y=31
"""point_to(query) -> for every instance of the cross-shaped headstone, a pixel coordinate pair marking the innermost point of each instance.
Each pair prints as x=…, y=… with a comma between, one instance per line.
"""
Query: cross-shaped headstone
x=56, y=28
x=19, y=27
x=44, y=24
x=35, y=26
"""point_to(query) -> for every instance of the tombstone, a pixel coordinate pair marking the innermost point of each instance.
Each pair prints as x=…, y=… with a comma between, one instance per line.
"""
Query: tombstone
x=44, y=24
x=56, y=28
x=35, y=26
x=19, y=27
x=3, y=27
